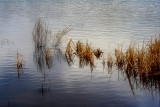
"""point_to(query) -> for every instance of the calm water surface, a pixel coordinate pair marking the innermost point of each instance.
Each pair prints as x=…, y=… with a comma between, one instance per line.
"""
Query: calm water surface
x=104, y=23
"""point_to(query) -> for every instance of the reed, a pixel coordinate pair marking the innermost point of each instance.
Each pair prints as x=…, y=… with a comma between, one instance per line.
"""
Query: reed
x=144, y=61
x=98, y=52
x=109, y=60
x=19, y=60
x=59, y=35
x=83, y=52
x=153, y=57
x=141, y=60
x=70, y=49
x=40, y=34
x=131, y=57
x=120, y=57
x=103, y=62
x=79, y=48
x=87, y=54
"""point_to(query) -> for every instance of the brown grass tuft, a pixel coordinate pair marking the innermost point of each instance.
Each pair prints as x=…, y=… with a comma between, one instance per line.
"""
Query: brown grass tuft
x=98, y=52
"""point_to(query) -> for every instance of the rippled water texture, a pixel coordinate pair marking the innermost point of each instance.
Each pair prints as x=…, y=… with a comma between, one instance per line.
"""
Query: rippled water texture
x=104, y=23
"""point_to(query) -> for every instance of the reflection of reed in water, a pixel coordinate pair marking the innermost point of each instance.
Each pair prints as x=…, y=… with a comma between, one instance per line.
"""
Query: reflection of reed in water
x=147, y=83
x=44, y=62
x=83, y=62
x=45, y=88
x=43, y=59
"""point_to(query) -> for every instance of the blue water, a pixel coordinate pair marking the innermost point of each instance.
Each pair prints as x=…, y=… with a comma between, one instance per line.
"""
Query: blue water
x=104, y=23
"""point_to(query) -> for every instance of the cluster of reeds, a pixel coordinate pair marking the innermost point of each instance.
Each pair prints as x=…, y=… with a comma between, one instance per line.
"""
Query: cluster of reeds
x=83, y=51
x=42, y=40
x=152, y=58
x=86, y=55
x=144, y=61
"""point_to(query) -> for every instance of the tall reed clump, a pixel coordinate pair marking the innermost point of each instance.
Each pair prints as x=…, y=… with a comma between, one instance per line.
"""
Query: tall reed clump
x=40, y=34
x=85, y=54
x=153, y=57
x=120, y=57
x=144, y=61
x=88, y=54
x=83, y=51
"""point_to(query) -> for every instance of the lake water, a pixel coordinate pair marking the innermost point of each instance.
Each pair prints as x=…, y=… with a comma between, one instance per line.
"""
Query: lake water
x=104, y=23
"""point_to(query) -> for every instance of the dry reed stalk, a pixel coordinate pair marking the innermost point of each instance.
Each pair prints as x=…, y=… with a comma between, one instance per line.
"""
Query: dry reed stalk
x=120, y=57
x=70, y=50
x=19, y=60
x=103, y=62
x=141, y=62
x=109, y=60
x=131, y=57
x=59, y=35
